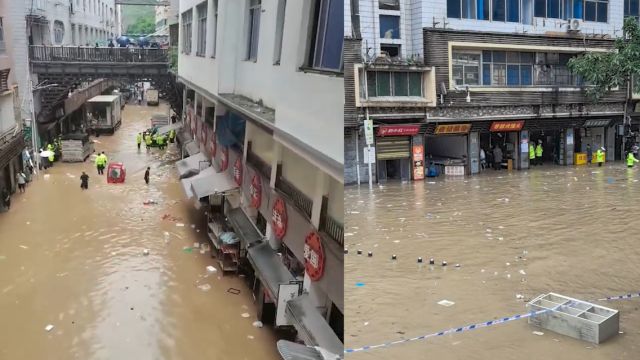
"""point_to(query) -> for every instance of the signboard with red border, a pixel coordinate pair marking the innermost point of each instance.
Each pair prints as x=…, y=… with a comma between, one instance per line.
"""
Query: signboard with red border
x=418, y=162
x=225, y=158
x=398, y=130
x=452, y=129
x=279, y=218
x=237, y=171
x=506, y=126
x=255, y=191
x=313, y=256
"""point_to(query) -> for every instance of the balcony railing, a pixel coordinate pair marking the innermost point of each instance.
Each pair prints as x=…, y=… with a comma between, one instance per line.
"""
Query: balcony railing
x=4, y=80
x=92, y=54
x=330, y=226
x=299, y=199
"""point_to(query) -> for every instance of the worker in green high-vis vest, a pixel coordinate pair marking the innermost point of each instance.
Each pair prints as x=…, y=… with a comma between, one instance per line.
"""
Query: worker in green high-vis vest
x=631, y=160
x=532, y=154
x=539, y=152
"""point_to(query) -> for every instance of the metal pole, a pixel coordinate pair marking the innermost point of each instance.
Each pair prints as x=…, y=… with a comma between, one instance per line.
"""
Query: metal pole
x=357, y=157
x=34, y=129
x=369, y=158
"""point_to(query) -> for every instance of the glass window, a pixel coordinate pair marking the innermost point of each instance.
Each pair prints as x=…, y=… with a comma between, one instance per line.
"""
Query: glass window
x=499, y=57
x=539, y=8
x=383, y=83
x=254, y=29
x=498, y=10
x=499, y=74
x=453, y=9
x=458, y=77
x=526, y=58
x=371, y=84
x=469, y=9
x=513, y=10
x=525, y=74
x=389, y=27
x=553, y=9
x=415, y=84
x=486, y=56
x=328, y=35
x=486, y=74
x=483, y=9
x=513, y=57
x=513, y=75
x=466, y=68
x=202, y=29
x=634, y=7
x=277, y=51
x=577, y=9
x=590, y=11
x=400, y=84
x=601, y=12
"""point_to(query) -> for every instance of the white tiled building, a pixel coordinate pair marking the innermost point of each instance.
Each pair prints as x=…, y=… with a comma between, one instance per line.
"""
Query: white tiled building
x=266, y=78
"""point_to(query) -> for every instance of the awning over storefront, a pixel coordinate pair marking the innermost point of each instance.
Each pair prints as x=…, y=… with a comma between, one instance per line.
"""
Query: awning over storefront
x=165, y=129
x=311, y=326
x=187, y=182
x=269, y=268
x=243, y=227
x=192, y=148
x=191, y=165
x=209, y=182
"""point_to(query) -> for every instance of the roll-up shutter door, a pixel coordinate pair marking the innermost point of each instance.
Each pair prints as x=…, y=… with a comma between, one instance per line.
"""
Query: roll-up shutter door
x=393, y=147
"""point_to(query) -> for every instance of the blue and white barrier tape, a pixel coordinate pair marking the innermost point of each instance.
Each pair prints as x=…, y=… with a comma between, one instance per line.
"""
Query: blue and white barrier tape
x=621, y=297
x=476, y=326
x=451, y=331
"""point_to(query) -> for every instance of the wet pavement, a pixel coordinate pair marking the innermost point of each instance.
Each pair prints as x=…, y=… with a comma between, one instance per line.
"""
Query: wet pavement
x=567, y=230
x=74, y=259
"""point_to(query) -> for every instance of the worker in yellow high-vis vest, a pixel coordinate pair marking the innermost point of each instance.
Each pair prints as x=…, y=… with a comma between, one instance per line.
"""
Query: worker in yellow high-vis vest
x=139, y=140
x=600, y=156
x=532, y=155
x=631, y=160
x=539, y=152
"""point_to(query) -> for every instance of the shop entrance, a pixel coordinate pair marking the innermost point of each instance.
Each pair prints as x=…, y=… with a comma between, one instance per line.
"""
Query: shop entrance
x=393, y=158
x=507, y=143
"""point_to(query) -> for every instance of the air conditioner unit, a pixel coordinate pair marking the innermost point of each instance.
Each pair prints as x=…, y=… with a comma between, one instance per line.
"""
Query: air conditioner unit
x=574, y=25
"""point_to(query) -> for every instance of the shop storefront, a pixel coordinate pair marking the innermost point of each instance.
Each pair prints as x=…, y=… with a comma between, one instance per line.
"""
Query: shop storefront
x=512, y=141
x=448, y=148
x=393, y=145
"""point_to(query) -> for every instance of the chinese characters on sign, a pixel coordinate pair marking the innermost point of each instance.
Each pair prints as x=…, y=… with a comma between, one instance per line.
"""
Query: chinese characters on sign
x=279, y=218
x=255, y=189
x=399, y=130
x=418, y=162
x=313, y=256
x=368, y=131
x=452, y=129
x=505, y=126
x=237, y=171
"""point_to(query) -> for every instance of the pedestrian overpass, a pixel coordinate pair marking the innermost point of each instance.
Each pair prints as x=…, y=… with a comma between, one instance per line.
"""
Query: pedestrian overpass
x=64, y=68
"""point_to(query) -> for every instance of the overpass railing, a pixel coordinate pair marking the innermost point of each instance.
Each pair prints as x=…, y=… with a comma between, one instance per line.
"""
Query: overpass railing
x=44, y=53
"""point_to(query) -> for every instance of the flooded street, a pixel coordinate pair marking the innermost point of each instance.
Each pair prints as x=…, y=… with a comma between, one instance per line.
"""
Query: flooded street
x=74, y=259
x=569, y=230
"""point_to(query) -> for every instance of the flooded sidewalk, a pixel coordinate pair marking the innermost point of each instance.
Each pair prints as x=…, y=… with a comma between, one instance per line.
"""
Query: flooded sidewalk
x=514, y=235
x=78, y=260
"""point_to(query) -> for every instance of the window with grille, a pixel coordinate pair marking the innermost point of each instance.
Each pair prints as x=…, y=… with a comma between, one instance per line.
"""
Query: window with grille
x=392, y=83
x=327, y=35
x=202, y=29
x=187, y=18
x=254, y=29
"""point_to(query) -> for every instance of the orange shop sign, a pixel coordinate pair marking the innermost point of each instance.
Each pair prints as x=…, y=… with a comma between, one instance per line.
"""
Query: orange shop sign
x=452, y=129
x=504, y=126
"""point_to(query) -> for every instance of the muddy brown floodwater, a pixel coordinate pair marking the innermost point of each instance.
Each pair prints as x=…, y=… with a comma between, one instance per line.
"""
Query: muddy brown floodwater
x=74, y=259
x=572, y=231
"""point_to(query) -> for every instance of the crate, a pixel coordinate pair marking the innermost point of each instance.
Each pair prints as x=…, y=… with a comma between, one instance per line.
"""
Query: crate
x=454, y=170
x=580, y=158
x=574, y=318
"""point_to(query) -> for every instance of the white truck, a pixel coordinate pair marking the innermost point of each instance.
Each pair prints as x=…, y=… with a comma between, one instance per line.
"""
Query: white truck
x=152, y=96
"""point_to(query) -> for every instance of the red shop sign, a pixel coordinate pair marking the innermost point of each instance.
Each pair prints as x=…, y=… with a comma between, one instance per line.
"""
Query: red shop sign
x=225, y=158
x=237, y=171
x=214, y=145
x=279, y=218
x=255, y=189
x=313, y=256
x=399, y=130
x=505, y=126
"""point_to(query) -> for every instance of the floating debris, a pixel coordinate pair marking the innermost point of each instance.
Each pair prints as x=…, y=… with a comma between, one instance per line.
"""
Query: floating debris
x=446, y=303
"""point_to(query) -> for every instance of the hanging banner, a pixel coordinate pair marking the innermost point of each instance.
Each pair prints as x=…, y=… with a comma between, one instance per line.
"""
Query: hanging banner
x=314, y=256
x=237, y=171
x=452, y=129
x=506, y=126
x=368, y=131
x=398, y=130
x=418, y=162
x=279, y=218
x=255, y=190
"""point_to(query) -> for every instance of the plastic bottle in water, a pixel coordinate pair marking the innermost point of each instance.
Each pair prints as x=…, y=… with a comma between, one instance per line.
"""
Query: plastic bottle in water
x=166, y=237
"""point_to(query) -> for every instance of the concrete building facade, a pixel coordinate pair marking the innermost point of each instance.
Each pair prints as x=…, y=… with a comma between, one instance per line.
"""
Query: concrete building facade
x=264, y=100
x=497, y=76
